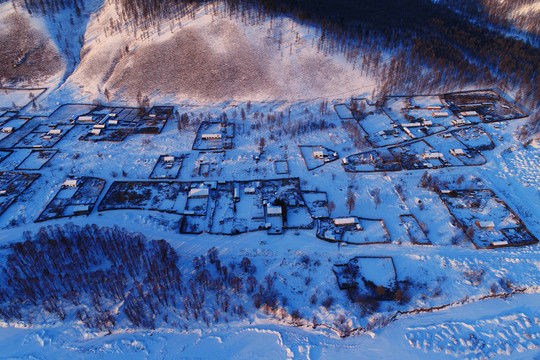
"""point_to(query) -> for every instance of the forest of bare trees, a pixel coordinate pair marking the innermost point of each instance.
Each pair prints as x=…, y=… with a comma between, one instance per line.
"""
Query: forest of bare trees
x=99, y=274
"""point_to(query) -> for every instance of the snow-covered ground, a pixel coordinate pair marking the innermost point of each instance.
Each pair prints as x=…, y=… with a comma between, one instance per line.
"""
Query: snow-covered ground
x=277, y=65
x=441, y=274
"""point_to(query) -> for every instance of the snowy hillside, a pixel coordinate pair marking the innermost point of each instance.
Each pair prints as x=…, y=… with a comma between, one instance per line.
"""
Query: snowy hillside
x=257, y=59
x=211, y=58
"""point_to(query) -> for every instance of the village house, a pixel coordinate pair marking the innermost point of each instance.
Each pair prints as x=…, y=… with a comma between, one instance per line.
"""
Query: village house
x=318, y=154
x=71, y=183
x=198, y=193
x=345, y=221
x=432, y=156
x=54, y=132
x=438, y=114
x=457, y=152
x=273, y=210
x=468, y=113
x=86, y=118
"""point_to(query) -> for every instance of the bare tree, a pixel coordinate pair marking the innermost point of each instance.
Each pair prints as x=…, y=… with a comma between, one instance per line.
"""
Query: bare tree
x=351, y=202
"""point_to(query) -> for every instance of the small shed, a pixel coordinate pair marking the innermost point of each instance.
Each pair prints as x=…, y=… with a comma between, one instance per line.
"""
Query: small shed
x=81, y=209
x=249, y=191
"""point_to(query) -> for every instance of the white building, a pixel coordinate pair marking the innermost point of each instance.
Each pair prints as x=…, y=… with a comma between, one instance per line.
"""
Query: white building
x=7, y=129
x=80, y=209
x=273, y=210
x=54, y=132
x=438, y=114
x=198, y=193
x=485, y=224
x=71, y=182
x=468, y=113
x=457, y=122
x=434, y=155
x=457, y=152
x=318, y=154
x=86, y=118
x=345, y=221
x=409, y=132
x=168, y=159
x=415, y=124
x=211, y=136
x=249, y=191
x=96, y=132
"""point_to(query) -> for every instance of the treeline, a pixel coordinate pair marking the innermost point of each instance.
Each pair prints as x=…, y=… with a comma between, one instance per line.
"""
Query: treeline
x=98, y=274
x=47, y=6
